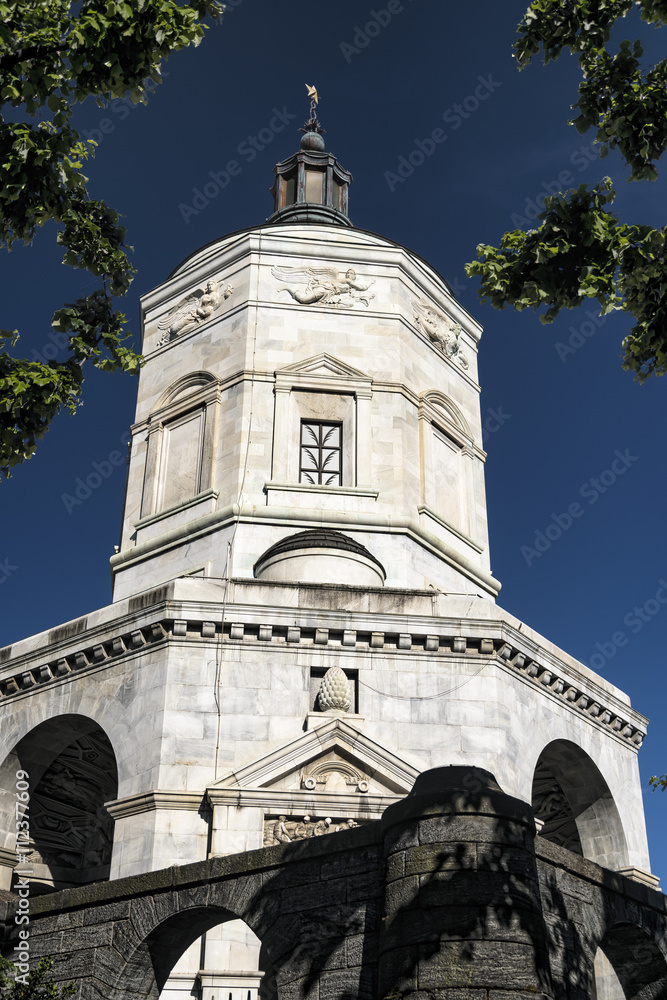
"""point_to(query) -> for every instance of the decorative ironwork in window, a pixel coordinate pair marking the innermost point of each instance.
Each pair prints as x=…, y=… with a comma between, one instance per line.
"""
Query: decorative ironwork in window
x=321, y=448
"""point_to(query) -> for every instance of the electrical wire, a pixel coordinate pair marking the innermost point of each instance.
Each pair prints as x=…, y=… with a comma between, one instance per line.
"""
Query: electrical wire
x=230, y=542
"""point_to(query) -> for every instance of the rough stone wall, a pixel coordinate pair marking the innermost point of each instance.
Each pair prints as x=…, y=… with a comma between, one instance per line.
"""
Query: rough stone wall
x=448, y=896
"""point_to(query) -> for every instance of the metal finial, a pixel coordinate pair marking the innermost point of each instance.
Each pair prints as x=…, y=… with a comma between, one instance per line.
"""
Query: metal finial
x=313, y=125
x=314, y=98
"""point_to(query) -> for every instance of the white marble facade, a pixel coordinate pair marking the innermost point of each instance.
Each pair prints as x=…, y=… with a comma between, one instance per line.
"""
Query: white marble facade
x=231, y=394
x=201, y=680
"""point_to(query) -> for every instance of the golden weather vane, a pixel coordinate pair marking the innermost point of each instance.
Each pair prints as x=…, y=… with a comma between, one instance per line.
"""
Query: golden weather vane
x=314, y=99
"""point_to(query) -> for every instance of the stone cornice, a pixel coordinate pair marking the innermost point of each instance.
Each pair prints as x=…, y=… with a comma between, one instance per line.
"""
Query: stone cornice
x=315, y=489
x=133, y=805
x=300, y=800
x=250, y=514
x=465, y=640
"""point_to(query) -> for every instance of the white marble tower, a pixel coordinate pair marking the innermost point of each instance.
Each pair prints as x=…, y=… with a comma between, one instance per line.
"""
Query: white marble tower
x=303, y=612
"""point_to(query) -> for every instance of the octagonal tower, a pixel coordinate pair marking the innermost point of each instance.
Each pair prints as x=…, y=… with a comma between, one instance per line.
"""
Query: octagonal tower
x=307, y=374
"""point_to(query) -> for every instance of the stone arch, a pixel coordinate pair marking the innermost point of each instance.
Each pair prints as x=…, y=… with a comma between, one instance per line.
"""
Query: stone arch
x=629, y=965
x=185, y=385
x=150, y=963
x=166, y=925
x=72, y=771
x=441, y=406
x=447, y=452
x=574, y=806
x=223, y=964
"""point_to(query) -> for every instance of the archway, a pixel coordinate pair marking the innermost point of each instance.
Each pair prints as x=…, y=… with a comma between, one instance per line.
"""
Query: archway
x=223, y=964
x=202, y=951
x=71, y=772
x=574, y=807
x=629, y=966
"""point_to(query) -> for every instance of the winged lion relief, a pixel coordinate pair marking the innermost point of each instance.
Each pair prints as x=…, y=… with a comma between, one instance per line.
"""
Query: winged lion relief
x=326, y=286
x=192, y=311
x=440, y=329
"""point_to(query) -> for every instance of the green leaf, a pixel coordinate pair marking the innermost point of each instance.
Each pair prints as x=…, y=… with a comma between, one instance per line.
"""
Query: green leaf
x=52, y=56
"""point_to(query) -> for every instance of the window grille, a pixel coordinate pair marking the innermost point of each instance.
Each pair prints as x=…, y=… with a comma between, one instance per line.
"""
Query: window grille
x=321, y=453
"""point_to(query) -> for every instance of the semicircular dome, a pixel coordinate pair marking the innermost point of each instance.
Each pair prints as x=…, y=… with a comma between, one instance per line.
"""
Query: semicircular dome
x=320, y=555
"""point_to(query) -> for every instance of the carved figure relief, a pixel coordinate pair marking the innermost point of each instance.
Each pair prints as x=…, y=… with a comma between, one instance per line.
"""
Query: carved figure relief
x=192, y=311
x=325, y=286
x=285, y=830
x=550, y=805
x=70, y=828
x=440, y=330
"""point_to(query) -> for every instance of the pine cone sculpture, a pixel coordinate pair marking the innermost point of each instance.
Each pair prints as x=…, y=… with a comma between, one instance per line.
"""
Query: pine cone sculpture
x=334, y=694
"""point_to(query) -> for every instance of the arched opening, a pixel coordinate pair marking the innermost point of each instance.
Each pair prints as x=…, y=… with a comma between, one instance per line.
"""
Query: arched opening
x=606, y=984
x=629, y=966
x=574, y=807
x=223, y=964
x=72, y=772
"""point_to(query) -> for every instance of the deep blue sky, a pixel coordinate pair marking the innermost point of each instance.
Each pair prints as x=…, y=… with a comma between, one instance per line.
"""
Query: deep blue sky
x=562, y=420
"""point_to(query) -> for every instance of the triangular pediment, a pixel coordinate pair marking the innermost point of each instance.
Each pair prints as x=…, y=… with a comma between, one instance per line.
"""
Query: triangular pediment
x=333, y=757
x=323, y=364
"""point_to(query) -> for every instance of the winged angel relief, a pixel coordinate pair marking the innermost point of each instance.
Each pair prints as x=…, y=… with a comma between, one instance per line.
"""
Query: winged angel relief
x=440, y=330
x=325, y=285
x=192, y=311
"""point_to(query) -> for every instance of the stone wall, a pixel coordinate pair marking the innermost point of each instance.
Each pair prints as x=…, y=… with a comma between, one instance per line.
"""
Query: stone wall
x=449, y=895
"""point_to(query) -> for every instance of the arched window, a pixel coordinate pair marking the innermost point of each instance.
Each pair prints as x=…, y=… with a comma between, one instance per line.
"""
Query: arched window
x=447, y=474
x=181, y=433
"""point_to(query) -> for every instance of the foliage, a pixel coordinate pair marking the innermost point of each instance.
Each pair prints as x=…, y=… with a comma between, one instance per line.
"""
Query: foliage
x=53, y=55
x=34, y=985
x=658, y=781
x=580, y=250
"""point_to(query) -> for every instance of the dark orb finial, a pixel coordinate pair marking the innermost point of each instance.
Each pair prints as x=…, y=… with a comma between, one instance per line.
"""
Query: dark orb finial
x=312, y=140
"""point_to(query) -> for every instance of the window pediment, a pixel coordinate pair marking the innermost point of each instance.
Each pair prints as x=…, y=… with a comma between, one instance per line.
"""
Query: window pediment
x=439, y=408
x=321, y=366
x=184, y=387
x=334, y=747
